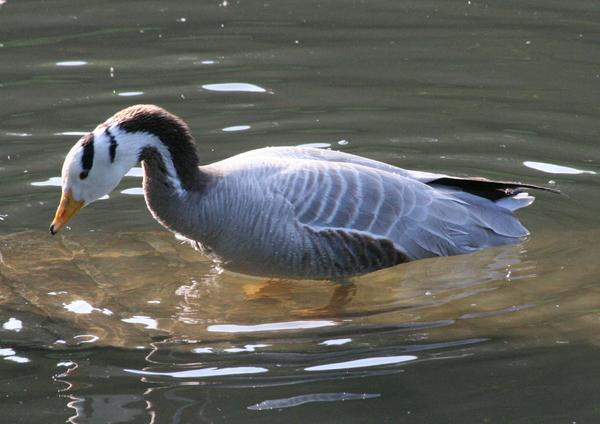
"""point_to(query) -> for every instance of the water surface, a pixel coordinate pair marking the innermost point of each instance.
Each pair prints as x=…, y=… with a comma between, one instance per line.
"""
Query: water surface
x=116, y=321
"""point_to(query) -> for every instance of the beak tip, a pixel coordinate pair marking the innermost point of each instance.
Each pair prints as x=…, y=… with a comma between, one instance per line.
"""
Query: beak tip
x=66, y=209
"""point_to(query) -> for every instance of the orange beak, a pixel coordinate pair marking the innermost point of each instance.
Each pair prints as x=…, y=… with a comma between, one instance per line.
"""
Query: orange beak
x=66, y=209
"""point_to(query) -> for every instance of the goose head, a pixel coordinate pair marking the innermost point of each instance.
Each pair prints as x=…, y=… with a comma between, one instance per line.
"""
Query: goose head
x=98, y=161
x=88, y=173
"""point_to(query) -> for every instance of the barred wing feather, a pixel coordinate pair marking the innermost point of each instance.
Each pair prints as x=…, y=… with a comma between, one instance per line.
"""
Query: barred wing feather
x=417, y=219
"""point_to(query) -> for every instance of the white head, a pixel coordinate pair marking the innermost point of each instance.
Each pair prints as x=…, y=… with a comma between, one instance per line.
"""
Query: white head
x=92, y=168
x=98, y=161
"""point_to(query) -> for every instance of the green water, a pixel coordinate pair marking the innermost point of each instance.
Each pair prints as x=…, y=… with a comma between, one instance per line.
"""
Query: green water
x=115, y=321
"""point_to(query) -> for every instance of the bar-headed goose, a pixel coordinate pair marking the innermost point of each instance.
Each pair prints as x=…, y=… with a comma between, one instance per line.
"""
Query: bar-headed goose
x=289, y=211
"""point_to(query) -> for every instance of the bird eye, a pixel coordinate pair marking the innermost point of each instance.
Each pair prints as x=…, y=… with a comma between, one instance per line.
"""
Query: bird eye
x=84, y=175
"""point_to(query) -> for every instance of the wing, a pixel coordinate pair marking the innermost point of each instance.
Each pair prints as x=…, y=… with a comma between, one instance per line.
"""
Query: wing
x=373, y=204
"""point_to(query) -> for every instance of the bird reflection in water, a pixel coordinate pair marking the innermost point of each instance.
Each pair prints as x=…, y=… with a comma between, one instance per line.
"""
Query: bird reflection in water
x=174, y=384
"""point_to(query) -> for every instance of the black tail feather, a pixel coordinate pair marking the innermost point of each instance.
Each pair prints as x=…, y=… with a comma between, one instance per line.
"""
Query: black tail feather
x=492, y=190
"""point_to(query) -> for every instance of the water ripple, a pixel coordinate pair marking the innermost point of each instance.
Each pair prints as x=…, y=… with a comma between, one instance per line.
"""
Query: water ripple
x=312, y=397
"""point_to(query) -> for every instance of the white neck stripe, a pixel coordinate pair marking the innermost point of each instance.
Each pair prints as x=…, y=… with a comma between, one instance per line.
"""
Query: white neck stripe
x=131, y=146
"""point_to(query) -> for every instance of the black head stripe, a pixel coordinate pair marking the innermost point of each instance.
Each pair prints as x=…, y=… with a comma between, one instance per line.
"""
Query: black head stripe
x=112, y=150
x=87, y=159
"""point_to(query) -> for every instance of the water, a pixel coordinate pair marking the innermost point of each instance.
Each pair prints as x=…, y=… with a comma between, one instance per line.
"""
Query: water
x=116, y=321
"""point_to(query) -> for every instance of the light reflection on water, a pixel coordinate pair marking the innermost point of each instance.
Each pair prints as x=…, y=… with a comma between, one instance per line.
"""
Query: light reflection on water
x=135, y=191
x=72, y=133
x=130, y=93
x=202, y=372
x=234, y=86
x=13, y=324
x=236, y=128
x=362, y=363
x=72, y=63
x=551, y=168
x=272, y=326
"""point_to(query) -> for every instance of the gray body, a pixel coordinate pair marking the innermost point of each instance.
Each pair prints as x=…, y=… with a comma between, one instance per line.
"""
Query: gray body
x=312, y=213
